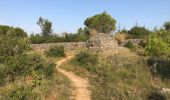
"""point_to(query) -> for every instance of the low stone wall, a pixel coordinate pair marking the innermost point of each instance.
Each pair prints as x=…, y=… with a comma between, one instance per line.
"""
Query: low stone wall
x=133, y=41
x=67, y=45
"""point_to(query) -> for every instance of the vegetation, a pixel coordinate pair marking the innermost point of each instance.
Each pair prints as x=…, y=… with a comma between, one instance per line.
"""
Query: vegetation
x=118, y=77
x=46, y=26
x=138, y=32
x=56, y=51
x=13, y=41
x=158, y=44
x=167, y=25
x=101, y=23
x=24, y=74
x=86, y=59
x=129, y=45
x=80, y=36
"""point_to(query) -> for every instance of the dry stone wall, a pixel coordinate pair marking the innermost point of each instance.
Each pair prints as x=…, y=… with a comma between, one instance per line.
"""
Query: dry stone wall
x=67, y=45
x=100, y=42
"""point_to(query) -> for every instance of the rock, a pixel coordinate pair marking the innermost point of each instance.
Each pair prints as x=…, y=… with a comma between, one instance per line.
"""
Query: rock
x=165, y=90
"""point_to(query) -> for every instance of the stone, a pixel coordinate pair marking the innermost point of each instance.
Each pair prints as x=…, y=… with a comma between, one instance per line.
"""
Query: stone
x=101, y=42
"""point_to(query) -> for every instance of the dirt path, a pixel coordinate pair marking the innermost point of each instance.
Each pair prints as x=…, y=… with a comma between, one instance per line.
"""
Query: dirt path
x=81, y=85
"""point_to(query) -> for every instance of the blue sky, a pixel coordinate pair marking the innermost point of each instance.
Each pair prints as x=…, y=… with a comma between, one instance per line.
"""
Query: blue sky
x=69, y=15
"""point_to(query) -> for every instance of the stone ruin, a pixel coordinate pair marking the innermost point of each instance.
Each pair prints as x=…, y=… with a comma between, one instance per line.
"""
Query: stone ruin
x=101, y=42
x=106, y=43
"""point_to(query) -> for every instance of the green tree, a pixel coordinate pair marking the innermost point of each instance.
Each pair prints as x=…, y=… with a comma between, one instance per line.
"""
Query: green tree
x=46, y=26
x=167, y=25
x=139, y=32
x=101, y=23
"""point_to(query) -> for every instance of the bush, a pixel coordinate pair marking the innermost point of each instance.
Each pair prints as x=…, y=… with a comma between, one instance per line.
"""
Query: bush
x=13, y=41
x=86, y=59
x=25, y=65
x=36, y=39
x=69, y=37
x=156, y=46
x=56, y=51
x=139, y=32
x=21, y=93
x=129, y=45
x=167, y=25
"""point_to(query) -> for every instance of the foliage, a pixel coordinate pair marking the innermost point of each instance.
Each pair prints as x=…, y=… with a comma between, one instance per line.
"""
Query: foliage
x=36, y=39
x=86, y=59
x=119, y=77
x=13, y=41
x=138, y=32
x=56, y=51
x=157, y=46
x=167, y=25
x=164, y=35
x=80, y=36
x=129, y=45
x=25, y=65
x=46, y=26
x=101, y=22
x=21, y=93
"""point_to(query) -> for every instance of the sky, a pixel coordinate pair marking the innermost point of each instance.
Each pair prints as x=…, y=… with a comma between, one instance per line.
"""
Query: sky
x=69, y=15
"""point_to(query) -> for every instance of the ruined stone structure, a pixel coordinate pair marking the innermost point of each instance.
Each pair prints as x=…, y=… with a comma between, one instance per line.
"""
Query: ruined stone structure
x=101, y=42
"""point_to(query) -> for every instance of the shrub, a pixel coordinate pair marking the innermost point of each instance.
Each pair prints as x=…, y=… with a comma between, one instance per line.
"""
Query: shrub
x=86, y=59
x=167, y=25
x=13, y=41
x=129, y=45
x=156, y=47
x=139, y=32
x=56, y=51
x=36, y=39
x=24, y=65
x=21, y=93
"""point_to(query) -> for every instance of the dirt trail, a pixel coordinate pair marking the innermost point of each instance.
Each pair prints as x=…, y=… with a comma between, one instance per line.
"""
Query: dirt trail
x=81, y=85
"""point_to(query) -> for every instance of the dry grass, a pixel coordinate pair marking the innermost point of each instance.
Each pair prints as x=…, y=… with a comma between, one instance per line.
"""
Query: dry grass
x=120, y=77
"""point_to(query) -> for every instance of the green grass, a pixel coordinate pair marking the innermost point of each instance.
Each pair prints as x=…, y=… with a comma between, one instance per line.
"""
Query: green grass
x=120, y=78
